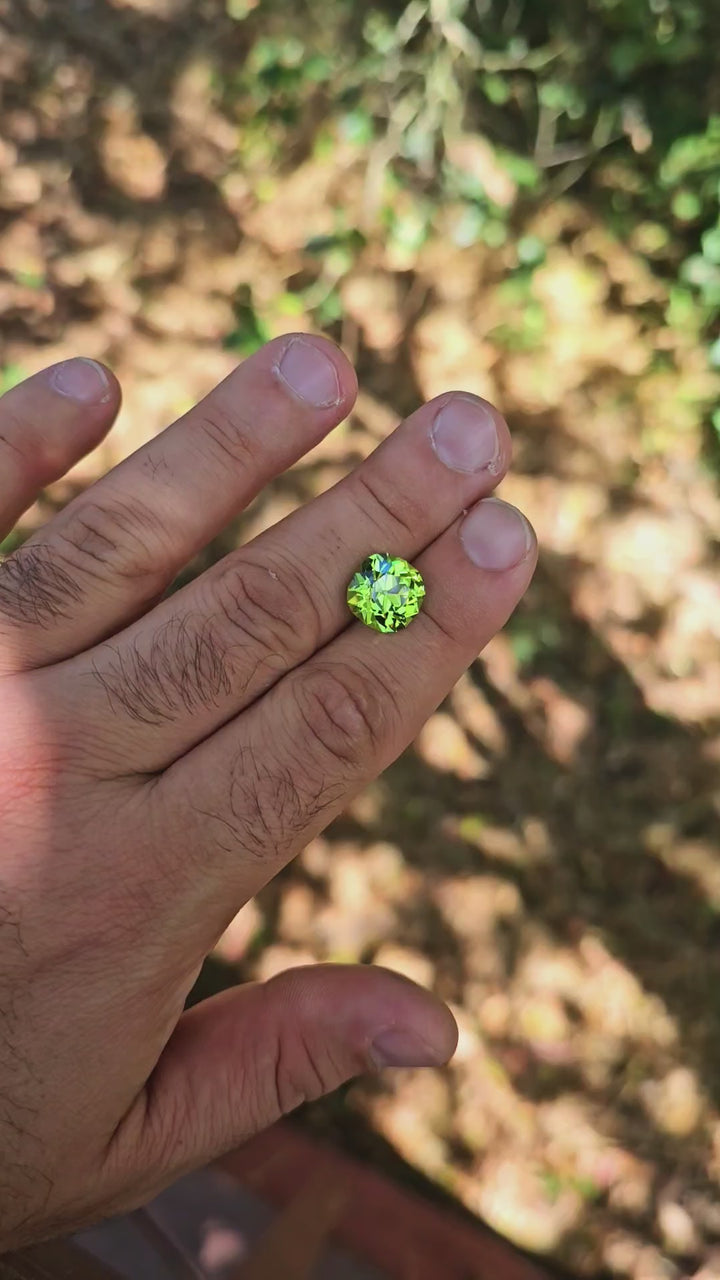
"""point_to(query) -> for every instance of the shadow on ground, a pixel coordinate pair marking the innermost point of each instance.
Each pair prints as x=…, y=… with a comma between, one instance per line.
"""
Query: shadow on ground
x=545, y=856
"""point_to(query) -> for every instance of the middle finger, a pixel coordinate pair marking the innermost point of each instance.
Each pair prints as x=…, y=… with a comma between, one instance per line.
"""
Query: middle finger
x=210, y=650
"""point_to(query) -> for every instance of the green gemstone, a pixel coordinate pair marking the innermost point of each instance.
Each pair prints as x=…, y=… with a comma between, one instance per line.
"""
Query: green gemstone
x=386, y=592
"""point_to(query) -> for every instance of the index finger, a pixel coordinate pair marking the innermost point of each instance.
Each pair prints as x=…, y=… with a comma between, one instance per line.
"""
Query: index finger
x=120, y=543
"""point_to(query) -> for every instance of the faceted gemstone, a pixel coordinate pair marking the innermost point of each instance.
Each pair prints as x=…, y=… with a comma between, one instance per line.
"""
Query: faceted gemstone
x=386, y=592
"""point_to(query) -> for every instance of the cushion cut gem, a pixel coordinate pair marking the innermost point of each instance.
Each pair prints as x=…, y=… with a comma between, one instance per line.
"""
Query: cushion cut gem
x=386, y=592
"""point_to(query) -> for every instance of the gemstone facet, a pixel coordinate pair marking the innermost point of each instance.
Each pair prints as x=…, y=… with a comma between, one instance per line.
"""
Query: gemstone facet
x=386, y=593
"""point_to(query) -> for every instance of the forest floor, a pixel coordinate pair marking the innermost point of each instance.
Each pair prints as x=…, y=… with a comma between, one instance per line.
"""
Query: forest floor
x=545, y=856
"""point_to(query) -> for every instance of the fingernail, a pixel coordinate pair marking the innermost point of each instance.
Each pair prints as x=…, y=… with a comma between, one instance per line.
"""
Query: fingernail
x=83, y=380
x=495, y=535
x=310, y=374
x=464, y=435
x=400, y=1047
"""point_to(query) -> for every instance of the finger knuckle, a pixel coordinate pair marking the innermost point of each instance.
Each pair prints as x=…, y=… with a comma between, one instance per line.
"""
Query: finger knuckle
x=35, y=587
x=225, y=435
x=27, y=441
x=181, y=670
x=272, y=608
x=121, y=537
x=389, y=507
x=345, y=713
x=265, y=808
x=302, y=1071
x=22, y=447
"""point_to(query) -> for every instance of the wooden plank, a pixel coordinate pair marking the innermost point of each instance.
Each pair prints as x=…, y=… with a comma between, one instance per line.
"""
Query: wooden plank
x=394, y=1229
x=295, y=1241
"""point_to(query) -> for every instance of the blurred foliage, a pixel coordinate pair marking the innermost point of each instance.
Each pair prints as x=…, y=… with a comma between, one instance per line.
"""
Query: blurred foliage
x=13, y=540
x=250, y=331
x=10, y=376
x=618, y=99
x=545, y=857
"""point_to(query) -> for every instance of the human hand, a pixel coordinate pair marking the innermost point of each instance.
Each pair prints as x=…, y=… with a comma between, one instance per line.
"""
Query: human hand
x=162, y=759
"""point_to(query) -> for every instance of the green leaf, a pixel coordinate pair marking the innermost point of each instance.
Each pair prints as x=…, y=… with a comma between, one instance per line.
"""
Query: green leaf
x=530, y=251
x=686, y=205
x=378, y=32
x=10, y=376
x=251, y=332
x=529, y=636
x=318, y=69
x=494, y=233
x=239, y=9
x=520, y=168
x=329, y=310
x=496, y=89
x=714, y=354
x=290, y=304
x=700, y=271
x=31, y=279
x=711, y=245
x=562, y=97
x=410, y=230
x=626, y=56
x=356, y=126
x=339, y=260
x=683, y=311
x=695, y=153
x=471, y=827
x=11, y=543
x=318, y=245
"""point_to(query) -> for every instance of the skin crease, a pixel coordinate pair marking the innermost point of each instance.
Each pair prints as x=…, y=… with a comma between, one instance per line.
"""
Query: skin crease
x=161, y=758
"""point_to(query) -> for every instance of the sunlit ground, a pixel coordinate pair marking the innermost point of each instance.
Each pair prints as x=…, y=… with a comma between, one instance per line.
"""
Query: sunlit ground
x=545, y=856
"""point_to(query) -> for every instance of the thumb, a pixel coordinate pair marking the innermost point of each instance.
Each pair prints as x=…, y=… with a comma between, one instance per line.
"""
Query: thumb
x=239, y=1061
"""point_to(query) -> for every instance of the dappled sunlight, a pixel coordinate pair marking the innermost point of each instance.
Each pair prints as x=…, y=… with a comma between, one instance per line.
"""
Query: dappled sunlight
x=545, y=856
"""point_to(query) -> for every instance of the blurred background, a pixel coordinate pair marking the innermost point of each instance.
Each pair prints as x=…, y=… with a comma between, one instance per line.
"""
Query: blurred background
x=520, y=199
